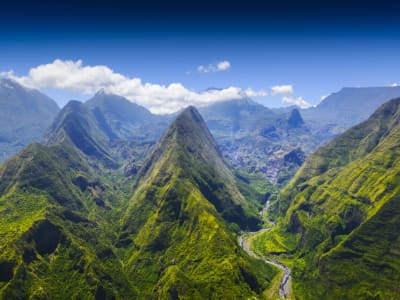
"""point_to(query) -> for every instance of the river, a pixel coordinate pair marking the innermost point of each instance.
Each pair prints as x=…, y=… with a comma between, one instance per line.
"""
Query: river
x=285, y=281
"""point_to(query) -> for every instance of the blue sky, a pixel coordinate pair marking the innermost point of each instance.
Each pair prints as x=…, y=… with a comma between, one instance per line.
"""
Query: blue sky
x=316, y=53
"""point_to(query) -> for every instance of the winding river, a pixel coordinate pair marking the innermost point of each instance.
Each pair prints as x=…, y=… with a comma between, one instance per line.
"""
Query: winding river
x=286, y=278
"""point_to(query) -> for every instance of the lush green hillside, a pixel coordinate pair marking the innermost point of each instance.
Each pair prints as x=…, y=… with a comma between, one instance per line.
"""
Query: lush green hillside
x=71, y=228
x=59, y=207
x=24, y=116
x=342, y=214
x=53, y=245
x=177, y=233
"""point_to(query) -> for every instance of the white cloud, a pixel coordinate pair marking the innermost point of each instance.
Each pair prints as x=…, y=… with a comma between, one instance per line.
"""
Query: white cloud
x=220, y=66
x=299, y=101
x=288, y=95
x=77, y=77
x=323, y=97
x=253, y=93
x=282, y=89
x=223, y=65
x=395, y=84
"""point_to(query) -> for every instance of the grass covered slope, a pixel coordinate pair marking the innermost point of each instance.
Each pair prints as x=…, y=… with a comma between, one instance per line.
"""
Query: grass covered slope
x=343, y=214
x=51, y=246
x=177, y=235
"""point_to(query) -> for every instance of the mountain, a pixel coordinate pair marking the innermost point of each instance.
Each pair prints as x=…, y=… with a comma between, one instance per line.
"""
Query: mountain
x=87, y=132
x=255, y=139
x=177, y=232
x=236, y=115
x=54, y=240
x=59, y=211
x=342, y=214
x=295, y=119
x=74, y=225
x=24, y=116
x=128, y=120
x=348, y=107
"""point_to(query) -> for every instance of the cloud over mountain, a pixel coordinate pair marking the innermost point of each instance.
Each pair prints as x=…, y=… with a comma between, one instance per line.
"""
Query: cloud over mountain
x=75, y=76
x=282, y=89
x=287, y=92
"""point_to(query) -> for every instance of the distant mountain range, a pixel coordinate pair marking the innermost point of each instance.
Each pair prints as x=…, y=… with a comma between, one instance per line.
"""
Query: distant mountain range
x=348, y=107
x=252, y=138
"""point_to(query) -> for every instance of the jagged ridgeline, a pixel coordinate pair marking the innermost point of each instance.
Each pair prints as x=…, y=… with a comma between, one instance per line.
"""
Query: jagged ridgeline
x=343, y=214
x=74, y=226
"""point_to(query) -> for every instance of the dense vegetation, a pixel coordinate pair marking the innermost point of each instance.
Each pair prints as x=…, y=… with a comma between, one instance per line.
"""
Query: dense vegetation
x=74, y=225
x=342, y=214
x=102, y=212
x=177, y=228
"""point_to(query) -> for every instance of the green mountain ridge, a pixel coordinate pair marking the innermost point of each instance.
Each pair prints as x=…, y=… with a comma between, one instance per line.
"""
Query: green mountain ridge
x=52, y=247
x=341, y=214
x=175, y=222
x=75, y=227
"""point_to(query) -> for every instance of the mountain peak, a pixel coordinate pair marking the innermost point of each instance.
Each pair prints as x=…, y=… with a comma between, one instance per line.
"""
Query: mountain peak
x=119, y=108
x=88, y=132
x=190, y=113
x=188, y=148
x=185, y=194
x=190, y=131
x=295, y=120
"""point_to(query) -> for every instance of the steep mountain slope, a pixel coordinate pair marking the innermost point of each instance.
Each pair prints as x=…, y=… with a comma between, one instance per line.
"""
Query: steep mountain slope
x=348, y=107
x=53, y=246
x=59, y=207
x=177, y=233
x=87, y=132
x=342, y=216
x=69, y=230
x=24, y=116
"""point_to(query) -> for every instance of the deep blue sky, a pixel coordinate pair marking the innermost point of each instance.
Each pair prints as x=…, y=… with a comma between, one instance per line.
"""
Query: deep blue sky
x=314, y=47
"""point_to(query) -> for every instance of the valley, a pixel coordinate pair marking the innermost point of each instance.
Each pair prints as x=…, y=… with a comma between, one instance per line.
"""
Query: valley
x=199, y=150
x=117, y=202
x=284, y=287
